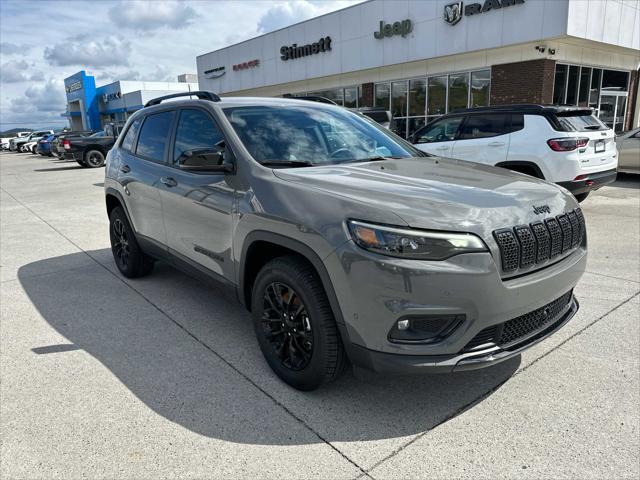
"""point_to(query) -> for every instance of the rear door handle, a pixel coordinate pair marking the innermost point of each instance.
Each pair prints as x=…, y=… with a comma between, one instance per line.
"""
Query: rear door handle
x=496, y=144
x=168, y=181
x=125, y=169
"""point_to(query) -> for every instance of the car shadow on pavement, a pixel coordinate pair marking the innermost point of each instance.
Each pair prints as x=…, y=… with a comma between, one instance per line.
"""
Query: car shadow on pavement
x=188, y=351
x=58, y=169
x=627, y=180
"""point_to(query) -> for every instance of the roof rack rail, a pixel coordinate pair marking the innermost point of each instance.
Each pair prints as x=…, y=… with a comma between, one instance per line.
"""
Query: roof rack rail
x=201, y=94
x=311, y=98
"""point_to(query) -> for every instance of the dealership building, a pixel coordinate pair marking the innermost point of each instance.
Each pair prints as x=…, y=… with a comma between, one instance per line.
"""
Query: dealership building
x=422, y=59
x=90, y=107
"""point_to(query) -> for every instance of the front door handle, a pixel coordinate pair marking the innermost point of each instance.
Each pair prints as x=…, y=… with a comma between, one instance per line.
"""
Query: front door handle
x=496, y=144
x=125, y=169
x=168, y=181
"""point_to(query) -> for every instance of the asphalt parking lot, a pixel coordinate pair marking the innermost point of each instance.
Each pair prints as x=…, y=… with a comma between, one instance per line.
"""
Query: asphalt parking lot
x=162, y=377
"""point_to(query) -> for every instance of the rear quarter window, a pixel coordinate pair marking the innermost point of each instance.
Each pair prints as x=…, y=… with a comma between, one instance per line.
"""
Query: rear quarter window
x=128, y=142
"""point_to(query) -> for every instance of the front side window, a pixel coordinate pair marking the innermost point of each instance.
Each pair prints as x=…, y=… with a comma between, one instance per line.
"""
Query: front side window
x=483, y=126
x=196, y=131
x=439, y=131
x=310, y=135
x=129, y=140
x=154, y=136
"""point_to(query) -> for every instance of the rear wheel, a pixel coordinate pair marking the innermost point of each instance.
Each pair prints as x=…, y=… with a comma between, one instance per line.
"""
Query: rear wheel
x=295, y=325
x=94, y=158
x=582, y=196
x=82, y=163
x=129, y=257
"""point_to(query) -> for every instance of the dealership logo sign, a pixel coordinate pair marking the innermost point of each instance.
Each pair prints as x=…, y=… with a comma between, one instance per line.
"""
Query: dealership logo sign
x=73, y=87
x=453, y=11
x=109, y=97
x=402, y=28
x=296, y=51
x=214, y=72
x=245, y=65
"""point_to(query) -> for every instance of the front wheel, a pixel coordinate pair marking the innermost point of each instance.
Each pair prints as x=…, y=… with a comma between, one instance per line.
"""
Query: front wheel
x=294, y=324
x=129, y=257
x=581, y=196
x=94, y=158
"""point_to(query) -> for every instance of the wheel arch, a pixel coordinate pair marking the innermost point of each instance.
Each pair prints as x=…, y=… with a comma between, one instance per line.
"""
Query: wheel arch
x=259, y=247
x=522, y=167
x=113, y=199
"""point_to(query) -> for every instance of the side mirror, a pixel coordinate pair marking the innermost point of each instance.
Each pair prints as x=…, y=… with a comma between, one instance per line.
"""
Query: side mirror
x=204, y=160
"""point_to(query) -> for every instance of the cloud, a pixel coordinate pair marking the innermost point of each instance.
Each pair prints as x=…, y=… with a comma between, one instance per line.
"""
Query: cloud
x=19, y=71
x=39, y=104
x=150, y=15
x=87, y=52
x=7, y=48
x=289, y=12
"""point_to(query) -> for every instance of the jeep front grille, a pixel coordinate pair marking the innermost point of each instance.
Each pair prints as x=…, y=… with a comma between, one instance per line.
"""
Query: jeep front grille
x=525, y=245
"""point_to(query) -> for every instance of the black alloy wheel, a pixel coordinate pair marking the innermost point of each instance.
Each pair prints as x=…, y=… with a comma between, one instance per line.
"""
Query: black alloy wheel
x=286, y=326
x=94, y=158
x=120, y=244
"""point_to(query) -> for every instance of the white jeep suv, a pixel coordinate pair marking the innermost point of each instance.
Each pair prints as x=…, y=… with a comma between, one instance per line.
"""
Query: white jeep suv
x=565, y=145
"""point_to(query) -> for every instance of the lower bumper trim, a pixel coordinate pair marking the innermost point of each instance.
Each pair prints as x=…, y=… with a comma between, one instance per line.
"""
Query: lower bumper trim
x=383, y=362
x=591, y=182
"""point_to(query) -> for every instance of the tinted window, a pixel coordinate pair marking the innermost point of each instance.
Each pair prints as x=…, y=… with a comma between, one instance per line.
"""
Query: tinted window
x=483, y=126
x=154, y=136
x=130, y=138
x=517, y=122
x=580, y=123
x=196, y=130
x=439, y=131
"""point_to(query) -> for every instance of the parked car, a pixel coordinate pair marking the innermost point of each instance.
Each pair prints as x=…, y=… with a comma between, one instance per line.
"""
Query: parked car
x=378, y=114
x=16, y=144
x=56, y=146
x=44, y=145
x=565, y=145
x=90, y=151
x=363, y=248
x=629, y=151
x=4, y=142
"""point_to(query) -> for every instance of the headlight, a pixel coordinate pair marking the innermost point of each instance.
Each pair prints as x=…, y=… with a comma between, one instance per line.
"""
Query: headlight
x=416, y=244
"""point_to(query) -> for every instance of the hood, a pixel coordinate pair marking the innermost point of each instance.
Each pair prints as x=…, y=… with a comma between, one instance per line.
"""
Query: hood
x=440, y=194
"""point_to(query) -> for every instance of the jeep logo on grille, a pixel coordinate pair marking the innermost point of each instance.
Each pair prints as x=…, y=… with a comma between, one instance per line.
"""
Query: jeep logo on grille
x=541, y=209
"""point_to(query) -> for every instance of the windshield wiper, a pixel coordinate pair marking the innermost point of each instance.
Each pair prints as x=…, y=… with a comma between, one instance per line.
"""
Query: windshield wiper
x=287, y=163
x=374, y=159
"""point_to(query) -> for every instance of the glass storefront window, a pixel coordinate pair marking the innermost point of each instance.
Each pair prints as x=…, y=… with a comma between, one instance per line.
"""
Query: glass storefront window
x=351, y=97
x=585, y=78
x=480, y=82
x=458, y=91
x=399, y=127
x=559, y=84
x=399, y=99
x=382, y=95
x=594, y=91
x=572, y=85
x=437, y=95
x=614, y=81
x=417, y=97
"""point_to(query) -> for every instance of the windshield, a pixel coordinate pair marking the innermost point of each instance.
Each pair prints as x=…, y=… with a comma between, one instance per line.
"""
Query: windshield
x=308, y=135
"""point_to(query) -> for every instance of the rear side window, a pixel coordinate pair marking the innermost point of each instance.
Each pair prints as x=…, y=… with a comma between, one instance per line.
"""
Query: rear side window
x=196, y=130
x=130, y=138
x=579, y=123
x=154, y=136
x=485, y=125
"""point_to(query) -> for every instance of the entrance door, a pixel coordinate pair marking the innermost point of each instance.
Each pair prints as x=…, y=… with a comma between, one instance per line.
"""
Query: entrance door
x=612, y=110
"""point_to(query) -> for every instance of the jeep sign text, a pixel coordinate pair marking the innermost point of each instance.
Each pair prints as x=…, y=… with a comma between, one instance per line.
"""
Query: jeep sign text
x=397, y=28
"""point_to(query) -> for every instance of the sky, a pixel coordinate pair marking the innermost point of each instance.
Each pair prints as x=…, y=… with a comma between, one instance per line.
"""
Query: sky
x=44, y=41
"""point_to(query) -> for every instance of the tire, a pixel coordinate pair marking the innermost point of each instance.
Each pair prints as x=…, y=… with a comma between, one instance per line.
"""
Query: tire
x=581, y=196
x=19, y=149
x=33, y=150
x=290, y=285
x=129, y=257
x=94, y=158
x=82, y=163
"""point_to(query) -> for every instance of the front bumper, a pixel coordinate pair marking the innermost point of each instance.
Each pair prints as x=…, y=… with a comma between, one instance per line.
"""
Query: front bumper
x=415, y=364
x=374, y=292
x=589, y=182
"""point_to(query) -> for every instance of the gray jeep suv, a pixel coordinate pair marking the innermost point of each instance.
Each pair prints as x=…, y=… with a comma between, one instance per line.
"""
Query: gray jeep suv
x=344, y=241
